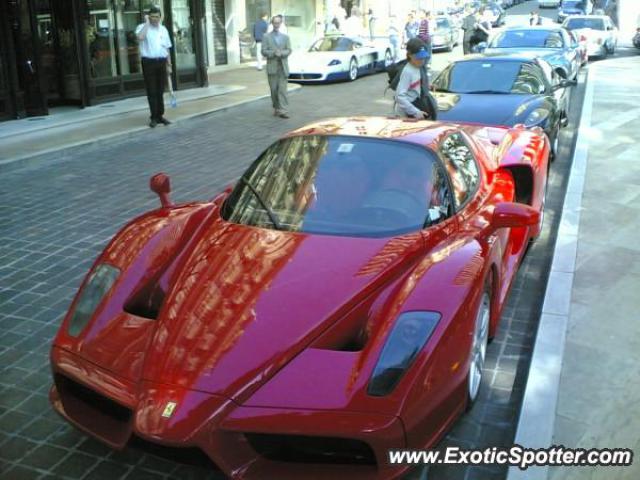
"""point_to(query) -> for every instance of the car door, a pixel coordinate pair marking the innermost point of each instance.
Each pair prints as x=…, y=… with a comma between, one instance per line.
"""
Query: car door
x=365, y=55
x=557, y=98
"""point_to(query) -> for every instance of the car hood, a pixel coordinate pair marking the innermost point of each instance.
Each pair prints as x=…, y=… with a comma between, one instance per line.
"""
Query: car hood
x=588, y=33
x=248, y=300
x=505, y=109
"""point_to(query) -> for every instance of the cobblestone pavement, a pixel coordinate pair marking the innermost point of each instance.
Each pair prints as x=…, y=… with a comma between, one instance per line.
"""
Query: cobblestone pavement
x=57, y=214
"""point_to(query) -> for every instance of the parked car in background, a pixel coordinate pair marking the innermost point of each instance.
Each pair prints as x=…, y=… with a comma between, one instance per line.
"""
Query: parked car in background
x=553, y=43
x=338, y=57
x=521, y=89
x=597, y=31
x=445, y=35
x=548, y=3
x=636, y=39
x=573, y=7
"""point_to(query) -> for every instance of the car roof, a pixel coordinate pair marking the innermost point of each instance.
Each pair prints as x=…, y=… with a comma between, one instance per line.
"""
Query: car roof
x=548, y=28
x=523, y=56
x=394, y=128
x=597, y=17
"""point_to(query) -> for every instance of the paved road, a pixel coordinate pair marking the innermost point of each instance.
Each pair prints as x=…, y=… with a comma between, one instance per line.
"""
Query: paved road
x=57, y=215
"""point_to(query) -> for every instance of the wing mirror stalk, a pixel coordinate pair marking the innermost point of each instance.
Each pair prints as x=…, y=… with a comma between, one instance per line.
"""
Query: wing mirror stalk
x=161, y=185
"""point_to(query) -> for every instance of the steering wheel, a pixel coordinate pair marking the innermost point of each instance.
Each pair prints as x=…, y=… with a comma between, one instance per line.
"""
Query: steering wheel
x=392, y=206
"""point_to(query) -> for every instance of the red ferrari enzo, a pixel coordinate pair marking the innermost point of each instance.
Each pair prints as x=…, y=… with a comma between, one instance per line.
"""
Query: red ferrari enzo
x=335, y=304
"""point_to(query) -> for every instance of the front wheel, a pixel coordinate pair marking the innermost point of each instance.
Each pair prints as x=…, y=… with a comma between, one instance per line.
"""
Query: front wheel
x=479, y=347
x=353, y=70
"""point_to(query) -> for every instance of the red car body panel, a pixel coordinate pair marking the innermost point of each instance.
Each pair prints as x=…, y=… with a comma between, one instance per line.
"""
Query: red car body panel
x=251, y=335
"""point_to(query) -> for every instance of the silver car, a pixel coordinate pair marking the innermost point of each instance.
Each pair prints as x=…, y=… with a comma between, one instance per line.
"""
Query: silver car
x=596, y=31
x=445, y=36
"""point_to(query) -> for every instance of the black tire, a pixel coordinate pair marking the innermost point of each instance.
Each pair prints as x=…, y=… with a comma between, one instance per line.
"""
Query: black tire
x=353, y=69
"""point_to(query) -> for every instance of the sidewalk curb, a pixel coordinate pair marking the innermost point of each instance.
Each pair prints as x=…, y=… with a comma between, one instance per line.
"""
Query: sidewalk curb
x=537, y=415
x=33, y=159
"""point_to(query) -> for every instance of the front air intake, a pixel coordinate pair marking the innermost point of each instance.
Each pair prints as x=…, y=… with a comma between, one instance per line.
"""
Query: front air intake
x=305, y=449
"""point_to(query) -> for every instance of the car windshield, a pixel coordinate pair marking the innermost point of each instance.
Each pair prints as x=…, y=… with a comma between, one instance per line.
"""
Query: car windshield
x=339, y=185
x=485, y=76
x=442, y=24
x=332, y=44
x=527, y=39
x=592, y=23
x=572, y=4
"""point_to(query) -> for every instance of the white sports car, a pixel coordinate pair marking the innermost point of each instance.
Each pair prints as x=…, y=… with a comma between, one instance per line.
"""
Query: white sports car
x=338, y=57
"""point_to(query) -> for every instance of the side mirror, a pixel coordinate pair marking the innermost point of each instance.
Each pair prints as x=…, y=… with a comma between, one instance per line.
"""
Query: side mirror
x=511, y=215
x=161, y=185
x=566, y=84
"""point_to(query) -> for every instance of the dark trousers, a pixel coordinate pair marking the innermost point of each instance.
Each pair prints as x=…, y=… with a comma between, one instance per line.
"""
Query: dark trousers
x=155, y=79
x=466, y=44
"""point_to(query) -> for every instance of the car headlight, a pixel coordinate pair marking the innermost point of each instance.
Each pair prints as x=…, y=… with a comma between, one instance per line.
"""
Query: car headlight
x=334, y=62
x=100, y=282
x=537, y=116
x=408, y=336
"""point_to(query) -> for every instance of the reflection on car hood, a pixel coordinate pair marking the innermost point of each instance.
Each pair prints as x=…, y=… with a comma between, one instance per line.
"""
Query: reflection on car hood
x=482, y=108
x=588, y=33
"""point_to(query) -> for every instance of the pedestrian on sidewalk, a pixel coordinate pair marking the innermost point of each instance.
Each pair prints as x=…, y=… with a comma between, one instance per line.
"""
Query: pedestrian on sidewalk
x=259, y=30
x=156, y=62
x=393, y=31
x=276, y=47
x=424, y=32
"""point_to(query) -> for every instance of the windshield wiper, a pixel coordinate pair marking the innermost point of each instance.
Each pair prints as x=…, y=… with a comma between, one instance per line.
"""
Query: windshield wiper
x=272, y=216
x=488, y=91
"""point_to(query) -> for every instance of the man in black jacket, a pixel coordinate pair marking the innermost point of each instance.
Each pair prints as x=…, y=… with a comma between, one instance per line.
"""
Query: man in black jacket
x=469, y=26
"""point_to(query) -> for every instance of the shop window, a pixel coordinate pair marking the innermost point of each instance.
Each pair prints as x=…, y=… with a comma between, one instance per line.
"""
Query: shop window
x=129, y=15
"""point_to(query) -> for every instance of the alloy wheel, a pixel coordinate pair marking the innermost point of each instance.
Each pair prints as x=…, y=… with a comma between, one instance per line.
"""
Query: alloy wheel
x=353, y=69
x=479, y=346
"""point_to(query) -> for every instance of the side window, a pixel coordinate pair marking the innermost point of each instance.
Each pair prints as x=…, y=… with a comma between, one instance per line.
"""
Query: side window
x=440, y=203
x=461, y=167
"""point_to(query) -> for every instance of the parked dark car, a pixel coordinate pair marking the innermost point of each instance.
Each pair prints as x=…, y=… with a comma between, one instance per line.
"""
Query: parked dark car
x=521, y=89
x=555, y=44
x=573, y=7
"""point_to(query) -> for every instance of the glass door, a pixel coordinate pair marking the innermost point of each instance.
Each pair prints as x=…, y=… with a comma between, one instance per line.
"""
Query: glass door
x=29, y=91
x=185, y=22
x=100, y=33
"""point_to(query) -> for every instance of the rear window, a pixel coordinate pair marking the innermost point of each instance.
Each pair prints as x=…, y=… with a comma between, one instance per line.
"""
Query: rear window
x=527, y=39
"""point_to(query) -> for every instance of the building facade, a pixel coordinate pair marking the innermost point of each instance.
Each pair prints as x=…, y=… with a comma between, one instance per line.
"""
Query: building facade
x=83, y=52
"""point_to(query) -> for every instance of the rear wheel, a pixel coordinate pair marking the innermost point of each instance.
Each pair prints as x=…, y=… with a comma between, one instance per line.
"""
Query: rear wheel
x=479, y=346
x=353, y=69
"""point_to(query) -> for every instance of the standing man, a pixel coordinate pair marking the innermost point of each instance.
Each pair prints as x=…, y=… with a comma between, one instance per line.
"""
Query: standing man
x=156, y=63
x=276, y=47
x=424, y=33
x=469, y=27
x=259, y=30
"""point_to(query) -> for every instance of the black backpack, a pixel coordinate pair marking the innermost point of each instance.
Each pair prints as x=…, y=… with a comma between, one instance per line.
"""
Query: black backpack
x=393, y=71
x=426, y=102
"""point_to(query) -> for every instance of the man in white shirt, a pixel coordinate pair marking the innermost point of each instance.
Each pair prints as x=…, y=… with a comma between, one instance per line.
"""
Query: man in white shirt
x=156, y=62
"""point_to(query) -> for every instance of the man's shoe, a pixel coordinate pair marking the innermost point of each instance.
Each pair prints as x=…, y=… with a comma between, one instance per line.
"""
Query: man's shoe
x=164, y=121
x=283, y=115
x=153, y=124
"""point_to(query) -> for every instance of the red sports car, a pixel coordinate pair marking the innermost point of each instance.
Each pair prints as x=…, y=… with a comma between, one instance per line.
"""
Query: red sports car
x=335, y=304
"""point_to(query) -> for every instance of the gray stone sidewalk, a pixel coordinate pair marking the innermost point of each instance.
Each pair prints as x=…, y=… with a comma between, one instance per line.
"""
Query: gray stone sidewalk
x=599, y=397
x=68, y=127
x=583, y=389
